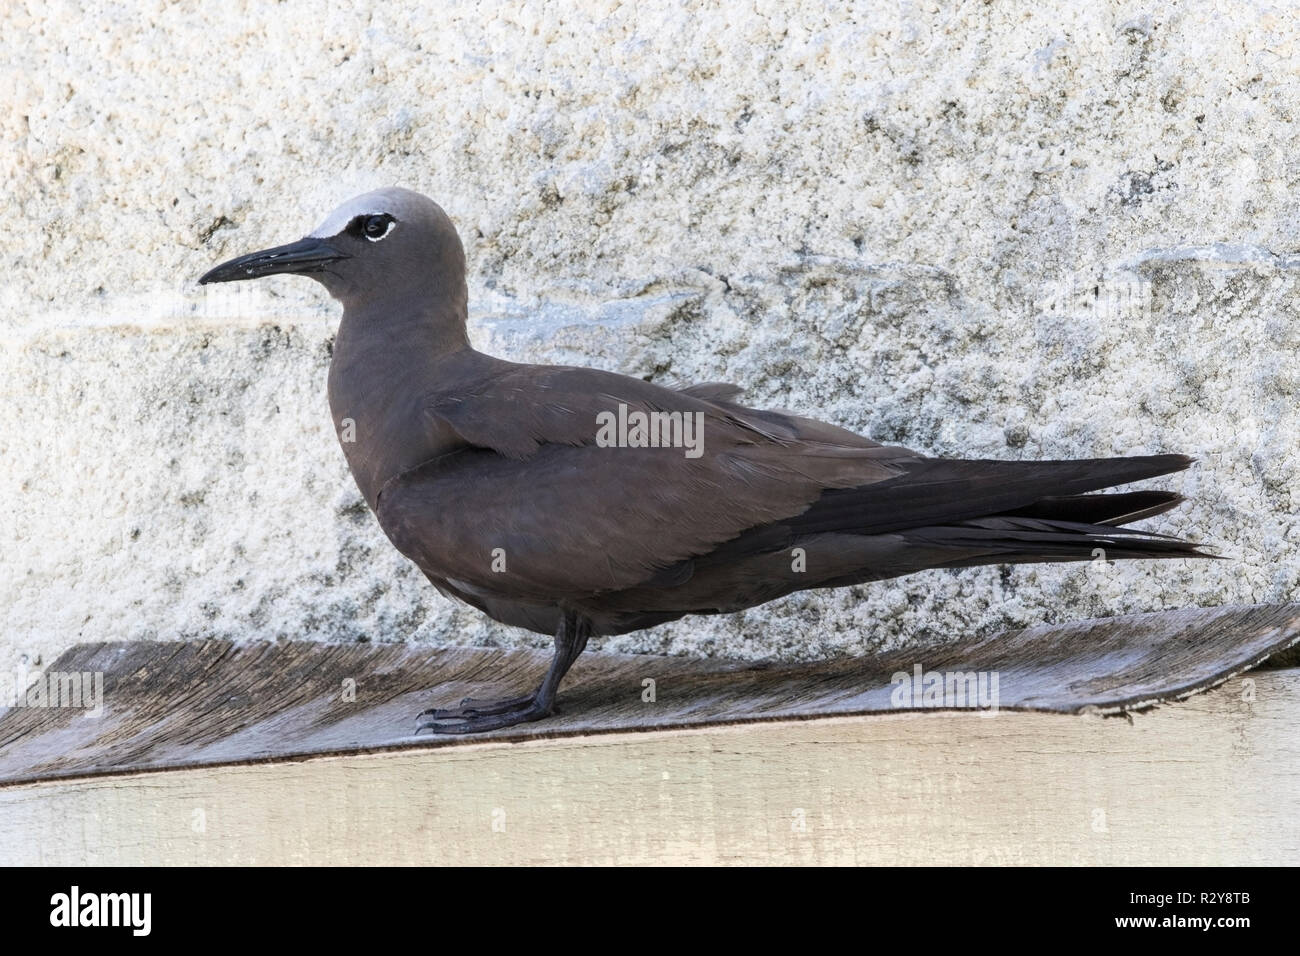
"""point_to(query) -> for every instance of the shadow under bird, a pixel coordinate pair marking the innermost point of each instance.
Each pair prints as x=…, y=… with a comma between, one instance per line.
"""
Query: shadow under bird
x=579, y=502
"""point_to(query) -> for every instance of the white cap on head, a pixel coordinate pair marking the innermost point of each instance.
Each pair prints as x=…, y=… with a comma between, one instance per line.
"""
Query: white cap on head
x=394, y=200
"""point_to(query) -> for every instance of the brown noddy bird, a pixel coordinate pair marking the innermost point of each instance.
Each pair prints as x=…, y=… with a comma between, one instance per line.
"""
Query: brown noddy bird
x=579, y=502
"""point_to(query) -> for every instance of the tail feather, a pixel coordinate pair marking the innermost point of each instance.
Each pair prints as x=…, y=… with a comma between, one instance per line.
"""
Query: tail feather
x=953, y=513
x=1027, y=540
x=1116, y=509
x=941, y=491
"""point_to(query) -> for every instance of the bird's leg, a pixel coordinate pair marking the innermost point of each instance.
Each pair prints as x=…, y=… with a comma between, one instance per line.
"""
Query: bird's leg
x=476, y=716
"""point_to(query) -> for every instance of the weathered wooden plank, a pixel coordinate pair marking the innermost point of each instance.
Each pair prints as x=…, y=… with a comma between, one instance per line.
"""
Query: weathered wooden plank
x=1214, y=780
x=178, y=705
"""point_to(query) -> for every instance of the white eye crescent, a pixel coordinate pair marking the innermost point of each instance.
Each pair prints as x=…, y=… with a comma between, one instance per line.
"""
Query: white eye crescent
x=378, y=227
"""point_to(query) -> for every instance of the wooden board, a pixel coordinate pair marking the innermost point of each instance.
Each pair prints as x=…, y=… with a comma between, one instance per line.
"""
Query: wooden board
x=186, y=705
x=1213, y=780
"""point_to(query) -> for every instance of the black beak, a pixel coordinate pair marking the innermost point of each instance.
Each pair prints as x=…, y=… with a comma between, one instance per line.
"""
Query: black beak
x=305, y=255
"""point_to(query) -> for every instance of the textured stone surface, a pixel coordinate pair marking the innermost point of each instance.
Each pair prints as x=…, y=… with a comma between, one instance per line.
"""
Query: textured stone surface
x=1002, y=230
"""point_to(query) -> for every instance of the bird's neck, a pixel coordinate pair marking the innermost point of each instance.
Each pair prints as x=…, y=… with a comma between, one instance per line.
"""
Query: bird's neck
x=384, y=368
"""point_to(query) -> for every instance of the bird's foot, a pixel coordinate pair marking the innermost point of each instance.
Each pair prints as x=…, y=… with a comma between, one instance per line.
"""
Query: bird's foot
x=476, y=716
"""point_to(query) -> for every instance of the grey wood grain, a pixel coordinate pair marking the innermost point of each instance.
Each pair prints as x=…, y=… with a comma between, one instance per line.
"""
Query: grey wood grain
x=176, y=705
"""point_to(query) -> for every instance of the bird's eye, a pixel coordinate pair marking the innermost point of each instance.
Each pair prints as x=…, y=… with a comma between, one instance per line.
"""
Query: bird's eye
x=376, y=227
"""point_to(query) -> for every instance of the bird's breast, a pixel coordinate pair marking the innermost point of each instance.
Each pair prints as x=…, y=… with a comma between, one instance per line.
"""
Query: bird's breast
x=381, y=424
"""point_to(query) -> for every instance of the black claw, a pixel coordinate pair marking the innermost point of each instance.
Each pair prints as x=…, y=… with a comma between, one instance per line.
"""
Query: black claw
x=477, y=716
x=435, y=721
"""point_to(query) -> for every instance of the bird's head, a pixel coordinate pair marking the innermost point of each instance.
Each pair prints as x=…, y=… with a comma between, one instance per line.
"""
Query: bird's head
x=375, y=247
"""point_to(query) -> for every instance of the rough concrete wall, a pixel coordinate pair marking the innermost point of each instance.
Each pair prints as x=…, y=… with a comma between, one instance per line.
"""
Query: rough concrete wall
x=981, y=229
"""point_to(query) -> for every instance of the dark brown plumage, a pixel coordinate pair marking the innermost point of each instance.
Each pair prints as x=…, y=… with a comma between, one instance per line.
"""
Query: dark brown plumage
x=491, y=476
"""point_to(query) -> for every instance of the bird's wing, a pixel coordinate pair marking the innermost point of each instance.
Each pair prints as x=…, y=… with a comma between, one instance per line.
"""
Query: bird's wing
x=534, y=506
x=518, y=408
x=713, y=391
